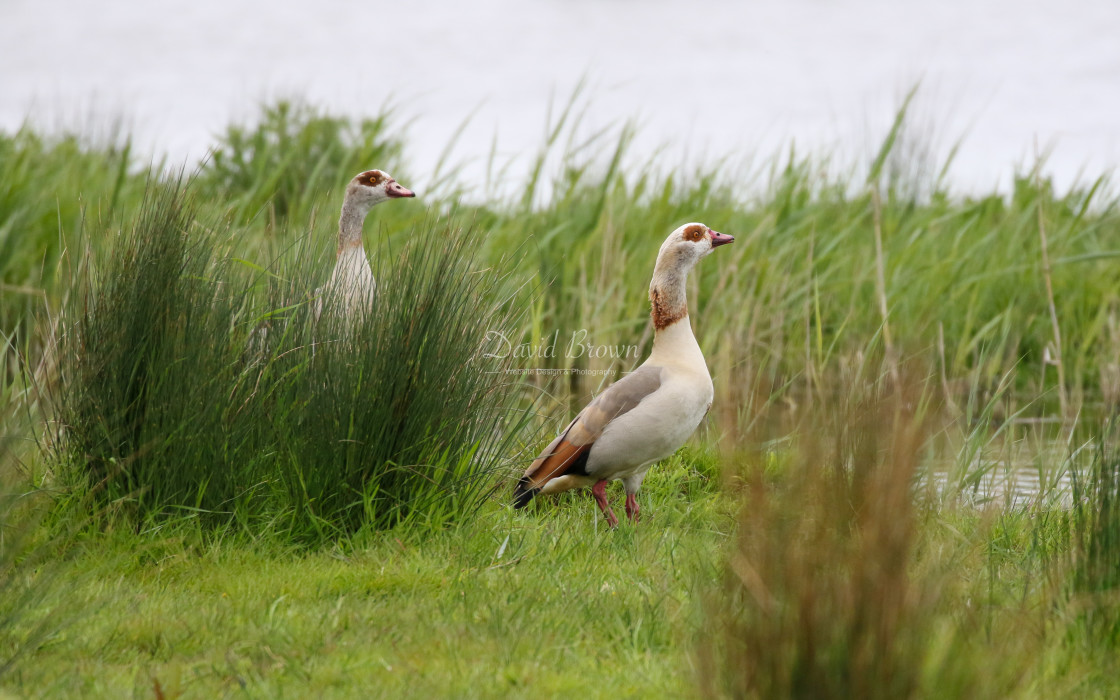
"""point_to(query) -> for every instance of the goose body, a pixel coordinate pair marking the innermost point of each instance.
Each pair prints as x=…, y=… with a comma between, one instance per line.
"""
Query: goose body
x=648, y=414
x=352, y=285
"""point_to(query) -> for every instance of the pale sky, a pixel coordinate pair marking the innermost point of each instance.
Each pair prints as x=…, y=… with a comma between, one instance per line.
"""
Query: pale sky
x=710, y=81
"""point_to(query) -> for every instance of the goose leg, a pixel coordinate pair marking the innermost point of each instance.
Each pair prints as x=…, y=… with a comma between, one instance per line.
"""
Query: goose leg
x=632, y=507
x=599, y=491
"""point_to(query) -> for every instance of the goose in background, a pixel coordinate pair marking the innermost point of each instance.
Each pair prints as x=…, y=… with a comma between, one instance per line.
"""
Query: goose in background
x=648, y=414
x=352, y=285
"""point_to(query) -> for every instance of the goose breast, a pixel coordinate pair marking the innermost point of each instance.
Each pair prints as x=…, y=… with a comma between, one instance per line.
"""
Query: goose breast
x=655, y=428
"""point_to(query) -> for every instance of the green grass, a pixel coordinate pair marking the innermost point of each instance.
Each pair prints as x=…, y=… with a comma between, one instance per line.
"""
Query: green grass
x=263, y=520
x=505, y=605
x=182, y=391
x=525, y=604
x=277, y=168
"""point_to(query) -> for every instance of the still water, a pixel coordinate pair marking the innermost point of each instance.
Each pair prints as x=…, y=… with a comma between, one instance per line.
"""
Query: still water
x=708, y=81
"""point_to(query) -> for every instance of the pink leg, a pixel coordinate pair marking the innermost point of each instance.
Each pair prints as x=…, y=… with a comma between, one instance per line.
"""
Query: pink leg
x=632, y=507
x=599, y=491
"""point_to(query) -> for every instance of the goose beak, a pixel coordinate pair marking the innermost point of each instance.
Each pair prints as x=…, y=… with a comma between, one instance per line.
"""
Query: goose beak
x=719, y=239
x=395, y=189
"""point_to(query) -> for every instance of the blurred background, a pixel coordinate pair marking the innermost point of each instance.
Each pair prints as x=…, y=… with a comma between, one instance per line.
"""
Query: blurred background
x=704, y=82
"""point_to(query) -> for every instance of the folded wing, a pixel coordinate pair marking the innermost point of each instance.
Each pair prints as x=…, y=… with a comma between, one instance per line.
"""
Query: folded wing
x=568, y=453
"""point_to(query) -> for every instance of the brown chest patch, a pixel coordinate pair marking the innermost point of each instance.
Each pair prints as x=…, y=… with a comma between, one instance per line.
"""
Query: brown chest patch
x=346, y=244
x=663, y=311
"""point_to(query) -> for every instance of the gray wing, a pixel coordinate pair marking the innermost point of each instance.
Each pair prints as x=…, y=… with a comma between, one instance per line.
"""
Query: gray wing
x=568, y=452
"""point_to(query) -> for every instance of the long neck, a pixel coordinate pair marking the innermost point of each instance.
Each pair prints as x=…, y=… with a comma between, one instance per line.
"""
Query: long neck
x=673, y=341
x=350, y=225
x=668, y=304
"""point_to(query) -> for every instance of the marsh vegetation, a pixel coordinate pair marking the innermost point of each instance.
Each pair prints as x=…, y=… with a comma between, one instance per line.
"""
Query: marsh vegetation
x=327, y=511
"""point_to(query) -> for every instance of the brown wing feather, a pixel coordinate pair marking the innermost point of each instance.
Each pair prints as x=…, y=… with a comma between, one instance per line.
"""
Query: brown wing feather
x=568, y=453
x=564, y=455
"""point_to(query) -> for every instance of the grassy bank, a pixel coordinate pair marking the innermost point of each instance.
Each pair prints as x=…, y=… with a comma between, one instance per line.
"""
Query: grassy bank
x=502, y=606
x=550, y=602
x=315, y=514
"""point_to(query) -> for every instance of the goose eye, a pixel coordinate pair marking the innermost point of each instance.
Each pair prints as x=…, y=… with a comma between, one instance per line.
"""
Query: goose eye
x=693, y=234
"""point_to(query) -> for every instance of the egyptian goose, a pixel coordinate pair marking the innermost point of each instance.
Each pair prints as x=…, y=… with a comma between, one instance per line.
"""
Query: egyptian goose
x=351, y=285
x=648, y=414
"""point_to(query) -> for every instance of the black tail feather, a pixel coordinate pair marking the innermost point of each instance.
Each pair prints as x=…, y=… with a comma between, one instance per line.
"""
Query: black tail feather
x=523, y=493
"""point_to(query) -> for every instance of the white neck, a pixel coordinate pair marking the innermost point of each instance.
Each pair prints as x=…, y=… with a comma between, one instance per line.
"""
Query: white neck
x=350, y=225
x=676, y=345
x=673, y=341
x=667, y=298
x=351, y=284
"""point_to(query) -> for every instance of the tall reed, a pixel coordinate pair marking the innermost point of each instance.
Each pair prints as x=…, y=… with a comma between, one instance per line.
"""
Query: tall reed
x=398, y=412
x=48, y=188
x=1094, y=529
x=169, y=402
x=963, y=276
x=146, y=362
x=28, y=576
x=291, y=156
x=821, y=597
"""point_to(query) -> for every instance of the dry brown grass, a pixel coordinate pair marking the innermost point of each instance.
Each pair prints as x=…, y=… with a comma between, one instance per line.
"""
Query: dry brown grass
x=830, y=589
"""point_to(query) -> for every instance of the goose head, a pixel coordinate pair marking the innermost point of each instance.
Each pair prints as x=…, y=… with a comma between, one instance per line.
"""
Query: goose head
x=374, y=187
x=685, y=246
x=679, y=253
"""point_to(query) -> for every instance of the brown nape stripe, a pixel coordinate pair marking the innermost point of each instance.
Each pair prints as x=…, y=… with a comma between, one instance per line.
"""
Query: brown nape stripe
x=663, y=313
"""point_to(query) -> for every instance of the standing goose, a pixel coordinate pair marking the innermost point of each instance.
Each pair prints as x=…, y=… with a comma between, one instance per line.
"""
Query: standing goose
x=351, y=285
x=648, y=414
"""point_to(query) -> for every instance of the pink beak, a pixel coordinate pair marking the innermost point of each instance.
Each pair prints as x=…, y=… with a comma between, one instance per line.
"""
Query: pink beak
x=395, y=189
x=719, y=239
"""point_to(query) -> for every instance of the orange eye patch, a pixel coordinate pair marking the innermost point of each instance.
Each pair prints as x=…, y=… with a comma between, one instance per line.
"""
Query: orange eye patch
x=694, y=233
x=371, y=178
